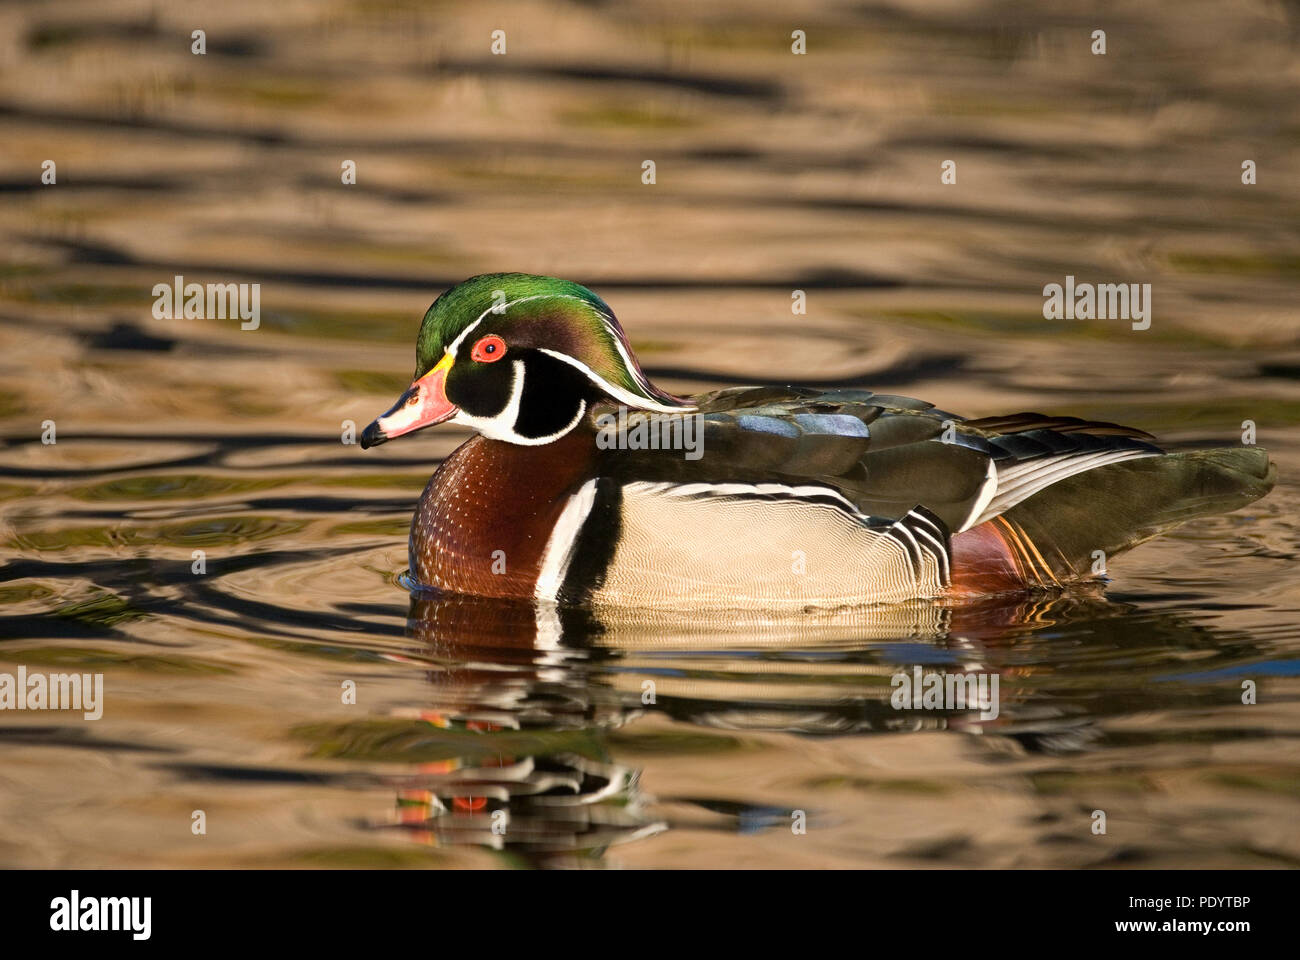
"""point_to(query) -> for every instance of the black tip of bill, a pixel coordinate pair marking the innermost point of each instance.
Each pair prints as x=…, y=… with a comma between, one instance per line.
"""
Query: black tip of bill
x=372, y=436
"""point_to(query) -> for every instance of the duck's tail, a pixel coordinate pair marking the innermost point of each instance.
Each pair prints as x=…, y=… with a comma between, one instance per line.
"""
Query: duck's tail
x=1071, y=529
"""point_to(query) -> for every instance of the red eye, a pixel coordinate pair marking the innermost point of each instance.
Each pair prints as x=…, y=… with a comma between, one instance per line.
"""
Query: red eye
x=488, y=349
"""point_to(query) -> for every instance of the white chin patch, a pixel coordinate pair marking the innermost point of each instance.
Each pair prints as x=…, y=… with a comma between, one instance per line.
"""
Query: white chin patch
x=502, y=426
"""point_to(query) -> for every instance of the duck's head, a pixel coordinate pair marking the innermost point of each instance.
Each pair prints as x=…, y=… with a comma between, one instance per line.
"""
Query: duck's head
x=519, y=358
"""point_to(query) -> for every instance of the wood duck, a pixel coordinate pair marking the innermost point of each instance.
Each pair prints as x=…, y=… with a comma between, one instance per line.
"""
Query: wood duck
x=587, y=484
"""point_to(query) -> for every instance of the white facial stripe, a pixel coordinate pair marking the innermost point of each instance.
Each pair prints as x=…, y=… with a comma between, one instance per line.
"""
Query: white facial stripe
x=502, y=426
x=455, y=344
x=631, y=399
x=618, y=393
x=622, y=352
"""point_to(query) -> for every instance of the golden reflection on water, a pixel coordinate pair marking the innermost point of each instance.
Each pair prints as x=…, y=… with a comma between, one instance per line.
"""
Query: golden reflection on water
x=775, y=173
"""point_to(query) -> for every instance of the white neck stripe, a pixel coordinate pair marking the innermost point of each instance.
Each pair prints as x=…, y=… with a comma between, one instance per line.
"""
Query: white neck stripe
x=618, y=393
x=564, y=538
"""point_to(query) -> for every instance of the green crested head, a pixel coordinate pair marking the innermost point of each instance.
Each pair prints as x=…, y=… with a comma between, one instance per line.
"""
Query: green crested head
x=504, y=294
x=521, y=358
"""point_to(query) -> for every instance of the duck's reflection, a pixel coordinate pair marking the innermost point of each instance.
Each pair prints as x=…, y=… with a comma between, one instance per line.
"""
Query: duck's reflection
x=532, y=775
x=537, y=806
x=525, y=698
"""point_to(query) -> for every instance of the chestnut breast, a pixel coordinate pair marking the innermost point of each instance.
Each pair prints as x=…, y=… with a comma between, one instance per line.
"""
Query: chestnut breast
x=483, y=522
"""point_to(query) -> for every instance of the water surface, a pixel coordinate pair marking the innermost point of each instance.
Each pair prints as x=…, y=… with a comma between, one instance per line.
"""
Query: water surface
x=774, y=173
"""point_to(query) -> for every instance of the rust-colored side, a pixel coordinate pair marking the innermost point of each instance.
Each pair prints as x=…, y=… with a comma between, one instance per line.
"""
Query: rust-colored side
x=996, y=557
